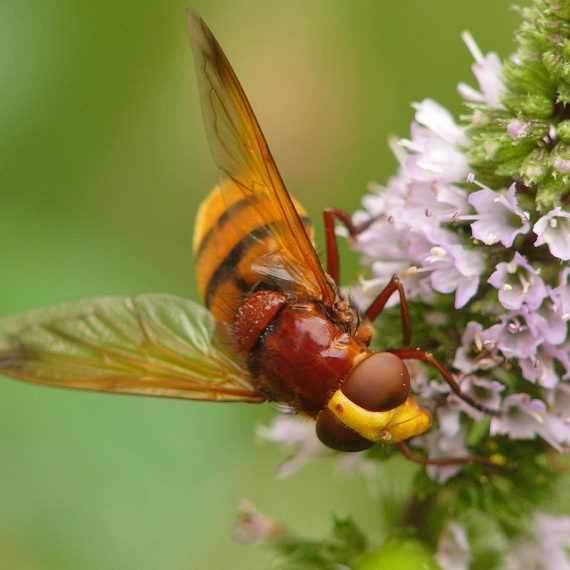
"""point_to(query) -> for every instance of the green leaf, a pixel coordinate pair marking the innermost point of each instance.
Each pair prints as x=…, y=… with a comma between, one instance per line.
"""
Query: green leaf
x=345, y=545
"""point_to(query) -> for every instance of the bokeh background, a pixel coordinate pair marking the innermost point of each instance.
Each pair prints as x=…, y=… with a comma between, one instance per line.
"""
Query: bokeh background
x=103, y=164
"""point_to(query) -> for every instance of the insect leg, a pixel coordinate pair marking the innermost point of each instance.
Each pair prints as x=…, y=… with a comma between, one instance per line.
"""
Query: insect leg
x=377, y=306
x=333, y=263
x=424, y=356
x=411, y=455
x=333, y=269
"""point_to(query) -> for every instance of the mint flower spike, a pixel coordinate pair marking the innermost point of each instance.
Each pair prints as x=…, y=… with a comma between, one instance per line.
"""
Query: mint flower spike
x=476, y=224
x=421, y=234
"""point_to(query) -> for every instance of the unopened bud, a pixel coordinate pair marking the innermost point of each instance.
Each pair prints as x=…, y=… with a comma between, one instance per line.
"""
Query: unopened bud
x=252, y=526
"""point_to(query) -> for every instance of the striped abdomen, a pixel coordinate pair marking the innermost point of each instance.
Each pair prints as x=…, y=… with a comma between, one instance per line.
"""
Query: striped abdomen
x=231, y=235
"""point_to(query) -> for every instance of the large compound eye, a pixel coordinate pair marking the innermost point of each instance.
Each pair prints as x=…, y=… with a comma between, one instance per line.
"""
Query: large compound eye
x=379, y=383
x=333, y=433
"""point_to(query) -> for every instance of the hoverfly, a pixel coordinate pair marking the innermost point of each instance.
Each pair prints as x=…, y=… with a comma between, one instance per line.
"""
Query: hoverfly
x=275, y=325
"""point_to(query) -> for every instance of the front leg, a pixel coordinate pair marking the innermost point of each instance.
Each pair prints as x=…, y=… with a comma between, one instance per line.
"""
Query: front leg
x=333, y=269
x=429, y=358
x=333, y=261
x=377, y=306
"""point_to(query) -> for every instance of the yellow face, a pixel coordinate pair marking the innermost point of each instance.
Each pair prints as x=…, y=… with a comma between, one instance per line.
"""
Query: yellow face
x=405, y=421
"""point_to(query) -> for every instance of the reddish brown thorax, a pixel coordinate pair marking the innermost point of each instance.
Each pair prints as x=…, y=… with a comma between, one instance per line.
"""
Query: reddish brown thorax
x=298, y=355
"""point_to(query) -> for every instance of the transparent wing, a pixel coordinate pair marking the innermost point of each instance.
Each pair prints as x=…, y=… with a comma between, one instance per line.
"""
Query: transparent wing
x=155, y=345
x=247, y=167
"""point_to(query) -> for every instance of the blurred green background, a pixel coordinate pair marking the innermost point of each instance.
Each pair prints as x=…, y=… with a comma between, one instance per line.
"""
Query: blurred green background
x=103, y=164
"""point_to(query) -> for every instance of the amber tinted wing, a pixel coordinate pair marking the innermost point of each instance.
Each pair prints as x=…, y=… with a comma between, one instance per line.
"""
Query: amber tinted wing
x=155, y=345
x=243, y=157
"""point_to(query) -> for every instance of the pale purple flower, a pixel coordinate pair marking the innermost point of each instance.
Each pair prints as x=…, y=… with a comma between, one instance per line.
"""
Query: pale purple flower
x=451, y=195
x=558, y=400
x=563, y=356
x=561, y=296
x=485, y=392
x=430, y=393
x=449, y=418
x=430, y=204
x=473, y=354
x=453, y=551
x=386, y=249
x=541, y=368
x=389, y=248
x=518, y=282
x=544, y=547
x=420, y=379
x=471, y=346
x=439, y=121
x=556, y=431
x=522, y=417
x=433, y=159
x=549, y=323
x=454, y=268
x=436, y=145
x=297, y=435
x=448, y=411
x=383, y=201
x=516, y=334
x=385, y=242
x=499, y=217
x=440, y=446
x=487, y=70
x=416, y=283
x=410, y=242
x=553, y=229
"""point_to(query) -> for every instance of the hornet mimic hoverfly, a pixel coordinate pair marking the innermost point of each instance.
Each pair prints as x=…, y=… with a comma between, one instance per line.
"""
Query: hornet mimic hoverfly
x=276, y=326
